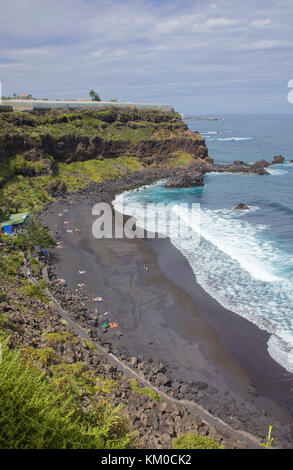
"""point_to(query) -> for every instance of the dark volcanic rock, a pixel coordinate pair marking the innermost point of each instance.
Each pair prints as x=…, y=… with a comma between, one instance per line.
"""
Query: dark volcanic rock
x=241, y=206
x=186, y=178
x=261, y=164
x=56, y=188
x=257, y=168
x=277, y=160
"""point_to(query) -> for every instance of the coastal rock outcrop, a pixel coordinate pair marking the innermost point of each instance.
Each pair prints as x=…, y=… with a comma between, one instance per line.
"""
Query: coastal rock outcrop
x=186, y=178
x=193, y=175
x=257, y=168
x=278, y=159
x=261, y=164
x=241, y=206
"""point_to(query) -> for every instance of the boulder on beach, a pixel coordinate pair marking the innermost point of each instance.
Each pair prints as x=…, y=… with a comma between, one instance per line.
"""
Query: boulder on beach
x=241, y=207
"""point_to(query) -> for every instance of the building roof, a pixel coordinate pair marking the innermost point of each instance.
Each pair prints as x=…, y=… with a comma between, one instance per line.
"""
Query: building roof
x=15, y=219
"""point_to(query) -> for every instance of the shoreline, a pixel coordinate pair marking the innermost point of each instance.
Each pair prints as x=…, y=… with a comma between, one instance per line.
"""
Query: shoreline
x=203, y=347
x=241, y=339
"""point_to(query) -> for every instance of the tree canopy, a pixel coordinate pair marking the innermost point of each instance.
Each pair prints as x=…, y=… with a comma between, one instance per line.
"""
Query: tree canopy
x=94, y=95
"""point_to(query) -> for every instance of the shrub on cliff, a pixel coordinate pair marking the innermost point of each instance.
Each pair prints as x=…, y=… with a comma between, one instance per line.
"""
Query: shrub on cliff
x=31, y=290
x=34, y=414
x=194, y=441
x=33, y=235
x=10, y=264
x=146, y=391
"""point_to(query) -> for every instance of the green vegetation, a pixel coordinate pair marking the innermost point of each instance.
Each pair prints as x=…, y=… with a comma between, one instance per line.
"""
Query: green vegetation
x=26, y=164
x=2, y=295
x=146, y=391
x=194, y=441
x=77, y=380
x=4, y=319
x=77, y=175
x=88, y=122
x=36, y=412
x=33, y=235
x=63, y=337
x=10, y=263
x=27, y=193
x=269, y=439
x=90, y=345
x=36, y=267
x=181, y=159
x=33, y=290
x=39, y=356
x=22, y=193
x=94, y=95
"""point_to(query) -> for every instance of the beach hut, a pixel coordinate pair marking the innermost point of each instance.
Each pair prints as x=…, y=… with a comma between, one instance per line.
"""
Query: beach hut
x=15, y=221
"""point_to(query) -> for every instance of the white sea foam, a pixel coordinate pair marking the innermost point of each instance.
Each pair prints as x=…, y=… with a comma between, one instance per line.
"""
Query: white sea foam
x=281, y=351
x=221, y=173
x=247, y=285
x=210, y=132
x=275, y=171
x=233, y=138
x=236, y=239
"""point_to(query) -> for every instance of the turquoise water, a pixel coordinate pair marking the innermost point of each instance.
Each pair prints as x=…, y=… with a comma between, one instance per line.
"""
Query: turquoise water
x=244, y=259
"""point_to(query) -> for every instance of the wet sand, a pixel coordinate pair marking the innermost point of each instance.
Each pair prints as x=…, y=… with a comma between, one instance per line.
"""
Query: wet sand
x=164, y=314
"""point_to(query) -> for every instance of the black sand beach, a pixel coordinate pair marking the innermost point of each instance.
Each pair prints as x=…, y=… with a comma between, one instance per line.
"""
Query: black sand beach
x=165, y=315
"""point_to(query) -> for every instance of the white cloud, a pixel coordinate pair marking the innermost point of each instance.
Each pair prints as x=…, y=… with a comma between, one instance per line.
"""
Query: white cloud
x=261, y=22
x=31, y=51
x=266, y=44
x=141, y=49
x=220, y=22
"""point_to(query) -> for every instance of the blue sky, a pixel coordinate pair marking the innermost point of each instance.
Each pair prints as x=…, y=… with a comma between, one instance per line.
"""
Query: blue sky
x=204, y=57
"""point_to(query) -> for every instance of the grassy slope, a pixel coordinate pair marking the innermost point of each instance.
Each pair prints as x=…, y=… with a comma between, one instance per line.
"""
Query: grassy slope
x=26, y=193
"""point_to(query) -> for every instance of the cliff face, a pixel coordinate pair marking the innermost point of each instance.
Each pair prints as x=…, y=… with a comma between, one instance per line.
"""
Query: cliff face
x=44, y=154
x=151, y=136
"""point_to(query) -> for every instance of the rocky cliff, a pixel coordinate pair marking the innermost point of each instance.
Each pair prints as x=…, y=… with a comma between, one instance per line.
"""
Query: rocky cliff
x=43, y=154
x=151, y=136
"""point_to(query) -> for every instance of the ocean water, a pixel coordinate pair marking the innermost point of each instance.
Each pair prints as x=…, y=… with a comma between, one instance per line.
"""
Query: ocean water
x=244, y=259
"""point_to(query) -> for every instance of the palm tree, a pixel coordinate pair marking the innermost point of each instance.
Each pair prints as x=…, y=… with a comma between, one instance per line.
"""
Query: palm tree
x=94, y=95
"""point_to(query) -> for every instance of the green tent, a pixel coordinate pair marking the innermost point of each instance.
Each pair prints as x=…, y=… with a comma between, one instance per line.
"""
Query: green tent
x=15, y=220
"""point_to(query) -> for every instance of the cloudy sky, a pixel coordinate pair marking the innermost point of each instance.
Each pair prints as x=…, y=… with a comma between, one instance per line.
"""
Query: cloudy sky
x=201, y=56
